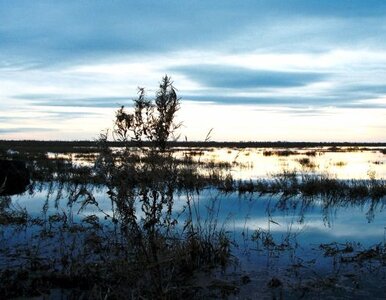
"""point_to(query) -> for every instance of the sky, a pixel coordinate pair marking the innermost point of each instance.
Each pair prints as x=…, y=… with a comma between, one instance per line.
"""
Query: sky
x=261, y=70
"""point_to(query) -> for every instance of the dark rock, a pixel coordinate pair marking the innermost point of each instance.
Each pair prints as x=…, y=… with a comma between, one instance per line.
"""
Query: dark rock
x=14, y=177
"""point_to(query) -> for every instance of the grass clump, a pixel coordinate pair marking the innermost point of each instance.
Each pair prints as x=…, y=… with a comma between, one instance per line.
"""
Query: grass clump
x=306, y=163
x=285, y=152
x=340, y=164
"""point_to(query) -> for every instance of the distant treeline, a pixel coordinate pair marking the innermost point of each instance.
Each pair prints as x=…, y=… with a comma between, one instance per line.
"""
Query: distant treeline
x=87, y=146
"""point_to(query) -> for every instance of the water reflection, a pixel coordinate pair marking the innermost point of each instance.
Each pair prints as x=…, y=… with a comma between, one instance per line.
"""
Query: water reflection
x=314, y=219
x=273, y=236
x=252, y=163
x=317, y=217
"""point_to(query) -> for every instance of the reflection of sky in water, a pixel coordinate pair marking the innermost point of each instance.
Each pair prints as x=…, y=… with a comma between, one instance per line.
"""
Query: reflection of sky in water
x=251, y=163
x=336, y=224
x=305, y=228
x=344, y=165
x=241, y=216
x=313, y=224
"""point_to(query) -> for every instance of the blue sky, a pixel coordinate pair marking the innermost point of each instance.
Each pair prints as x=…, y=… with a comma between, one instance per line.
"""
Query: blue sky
x=296, y=70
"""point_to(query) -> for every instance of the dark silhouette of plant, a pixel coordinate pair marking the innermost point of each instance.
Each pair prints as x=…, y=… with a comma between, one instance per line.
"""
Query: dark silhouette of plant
x=151, y=120
x=142, y=182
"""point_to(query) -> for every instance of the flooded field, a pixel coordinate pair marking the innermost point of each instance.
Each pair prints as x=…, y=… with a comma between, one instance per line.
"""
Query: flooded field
x=267, y=223
x=341, y=163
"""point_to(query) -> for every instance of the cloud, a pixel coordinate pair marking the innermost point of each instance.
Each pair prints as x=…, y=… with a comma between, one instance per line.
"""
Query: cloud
x=66, y=115
x=362, y=90
x=289, y=101
x=85, y=102
x=66, y=101
x=24, y=130
x=235, y=77
x=9, y=118
x=74, y=30
x=249, y=100
x=51, y=33
x=307, y=112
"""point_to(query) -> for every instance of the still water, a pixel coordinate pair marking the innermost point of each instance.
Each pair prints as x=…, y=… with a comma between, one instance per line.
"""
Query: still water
x=252, y=163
